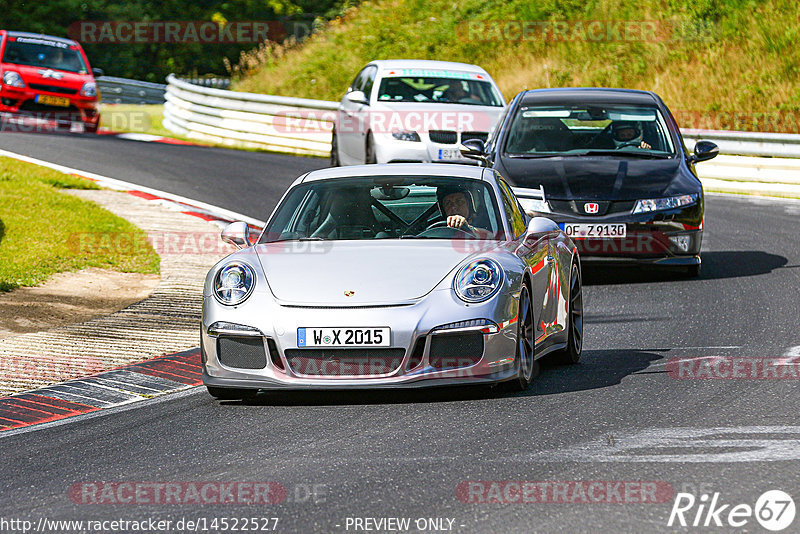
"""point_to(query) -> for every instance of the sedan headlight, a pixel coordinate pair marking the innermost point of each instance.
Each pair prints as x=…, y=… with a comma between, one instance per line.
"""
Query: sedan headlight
x=479, y=280
x=13, y=79
x=89, y=89
x=406, y=136
x=656, y=204
x=534, y=205
x=234, y=283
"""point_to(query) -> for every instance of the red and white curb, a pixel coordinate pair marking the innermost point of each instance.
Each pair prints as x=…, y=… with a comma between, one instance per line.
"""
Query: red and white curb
x=116, y=387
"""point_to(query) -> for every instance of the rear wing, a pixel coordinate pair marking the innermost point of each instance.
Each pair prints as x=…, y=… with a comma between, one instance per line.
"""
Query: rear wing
x=533, y=201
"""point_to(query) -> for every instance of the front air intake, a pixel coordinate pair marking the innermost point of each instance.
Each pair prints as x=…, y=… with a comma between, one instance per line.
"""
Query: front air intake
x=242, y=352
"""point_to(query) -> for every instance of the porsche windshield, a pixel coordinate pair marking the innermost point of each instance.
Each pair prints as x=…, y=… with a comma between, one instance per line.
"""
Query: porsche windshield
x=387, y=207
x=43, y=53
x=578, y=130
x=426, y=90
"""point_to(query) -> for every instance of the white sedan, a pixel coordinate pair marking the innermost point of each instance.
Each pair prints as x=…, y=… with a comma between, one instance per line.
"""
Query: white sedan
x=414, y=111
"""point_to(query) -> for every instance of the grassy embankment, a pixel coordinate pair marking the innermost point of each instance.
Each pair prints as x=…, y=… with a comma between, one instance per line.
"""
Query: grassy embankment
x=41, y=226
x=722, y=64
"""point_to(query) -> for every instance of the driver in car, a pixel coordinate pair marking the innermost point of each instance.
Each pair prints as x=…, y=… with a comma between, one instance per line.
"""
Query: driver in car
x=628, y=134
x=458, y=208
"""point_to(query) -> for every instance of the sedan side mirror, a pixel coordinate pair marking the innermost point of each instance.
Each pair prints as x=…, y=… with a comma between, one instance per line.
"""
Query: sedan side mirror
x=704, y=151
x=473, y=149
x=357, y=97
x=97, y=72
x=237, y=234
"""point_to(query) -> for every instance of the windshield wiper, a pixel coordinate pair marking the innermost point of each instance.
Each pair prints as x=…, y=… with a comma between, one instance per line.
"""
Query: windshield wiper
x=648, y=155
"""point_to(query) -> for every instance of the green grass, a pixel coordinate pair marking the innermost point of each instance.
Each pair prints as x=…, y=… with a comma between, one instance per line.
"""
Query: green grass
x=726, y=64
x=41, y=229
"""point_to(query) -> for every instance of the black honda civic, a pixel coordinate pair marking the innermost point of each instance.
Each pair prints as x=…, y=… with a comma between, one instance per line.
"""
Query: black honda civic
x=609, y=166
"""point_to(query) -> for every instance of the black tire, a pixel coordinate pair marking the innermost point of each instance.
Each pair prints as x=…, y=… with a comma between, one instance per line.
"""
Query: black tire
x=335, y=162
x=571, y=354
x=528, y=367
x=231, y=393
x=369, y=150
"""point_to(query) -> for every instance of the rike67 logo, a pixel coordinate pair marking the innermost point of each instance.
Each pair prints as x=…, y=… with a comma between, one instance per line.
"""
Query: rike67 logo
x=774, y=510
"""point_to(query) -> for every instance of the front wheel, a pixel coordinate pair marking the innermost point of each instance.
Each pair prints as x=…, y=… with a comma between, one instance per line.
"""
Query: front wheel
x=571, y=354
x=526, y=348
x=335, y=162
x=369, y=150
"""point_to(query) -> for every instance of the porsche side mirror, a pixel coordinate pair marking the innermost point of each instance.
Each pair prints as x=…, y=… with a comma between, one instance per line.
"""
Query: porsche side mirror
x=473, y=149
x=357, y=97
x=704, y=151
x=539, y=227
x=236, y=234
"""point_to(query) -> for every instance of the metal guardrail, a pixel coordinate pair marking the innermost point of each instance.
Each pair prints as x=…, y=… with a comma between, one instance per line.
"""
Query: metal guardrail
x=749, y=143
x=124, y=91
x=260, y=121
x=248, y=119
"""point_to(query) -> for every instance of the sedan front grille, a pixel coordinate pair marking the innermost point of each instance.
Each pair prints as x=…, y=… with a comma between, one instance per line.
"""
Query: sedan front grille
x=449, y=351
x=344, y=362
x=242, y=352
x=53, y=89
x=443, y=137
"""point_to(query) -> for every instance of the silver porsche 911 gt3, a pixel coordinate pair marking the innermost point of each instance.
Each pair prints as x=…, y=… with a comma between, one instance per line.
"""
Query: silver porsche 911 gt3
x=389, y=276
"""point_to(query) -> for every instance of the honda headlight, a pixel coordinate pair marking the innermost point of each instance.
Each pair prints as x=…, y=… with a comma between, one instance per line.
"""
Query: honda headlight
x=13, y=79
x=533, y=206
x=656, y=204
x=234, y=283
x=406, y=136
x=478, y=280
x=89, y=89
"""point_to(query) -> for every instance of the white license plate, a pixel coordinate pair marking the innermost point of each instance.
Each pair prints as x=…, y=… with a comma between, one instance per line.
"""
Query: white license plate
x=344, y=337
x=77, y=127
x=594, y=231
x=449, y=153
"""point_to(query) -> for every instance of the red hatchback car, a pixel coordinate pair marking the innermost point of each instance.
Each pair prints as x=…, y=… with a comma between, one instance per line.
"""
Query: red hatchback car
x=48, y=78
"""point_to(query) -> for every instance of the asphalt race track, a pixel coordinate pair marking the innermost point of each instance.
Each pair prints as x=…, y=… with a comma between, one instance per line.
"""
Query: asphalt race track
x=617, y=416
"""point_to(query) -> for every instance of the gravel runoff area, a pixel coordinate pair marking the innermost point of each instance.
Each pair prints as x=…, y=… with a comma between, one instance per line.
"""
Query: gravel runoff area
x=165, y=322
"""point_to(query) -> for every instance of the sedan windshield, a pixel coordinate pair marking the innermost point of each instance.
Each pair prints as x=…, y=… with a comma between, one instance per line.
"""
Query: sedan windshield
x=386, y=207
x=36, y=52
x=583, y=130
x=449, y=90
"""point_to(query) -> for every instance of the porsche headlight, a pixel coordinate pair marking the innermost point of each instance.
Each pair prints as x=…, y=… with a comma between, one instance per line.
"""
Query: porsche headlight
x=478, y=281
x=656, y=204
x=234, y=283
x=13, y=79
